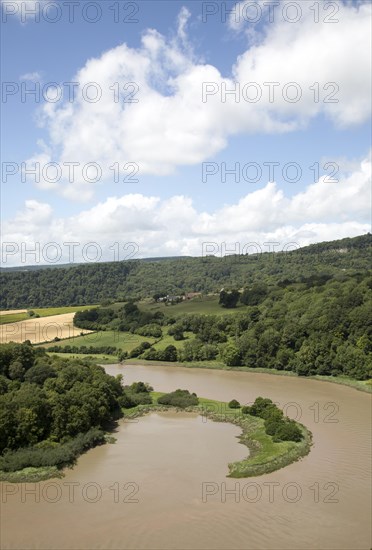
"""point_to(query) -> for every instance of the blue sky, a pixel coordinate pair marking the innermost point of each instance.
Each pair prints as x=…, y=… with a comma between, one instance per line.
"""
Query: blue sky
x=171, y=52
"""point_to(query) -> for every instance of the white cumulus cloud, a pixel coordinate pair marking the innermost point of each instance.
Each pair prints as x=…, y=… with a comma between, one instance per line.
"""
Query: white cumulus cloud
x=159, y=120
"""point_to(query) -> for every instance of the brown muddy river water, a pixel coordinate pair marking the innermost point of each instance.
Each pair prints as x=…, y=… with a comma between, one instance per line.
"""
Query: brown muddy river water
x=163, y=485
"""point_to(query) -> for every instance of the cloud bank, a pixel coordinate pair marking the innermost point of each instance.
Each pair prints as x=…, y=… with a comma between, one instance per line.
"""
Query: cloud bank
x=175, y=226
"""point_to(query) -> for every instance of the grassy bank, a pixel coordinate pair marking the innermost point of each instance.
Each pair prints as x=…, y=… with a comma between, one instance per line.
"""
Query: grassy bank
x=265, y=455
x=31, y=475
x=47, y=459
x=361, y=385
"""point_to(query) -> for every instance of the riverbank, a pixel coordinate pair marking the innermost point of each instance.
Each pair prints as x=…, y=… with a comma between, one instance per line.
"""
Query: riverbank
x=101, y=359
x=47, y=460
x=360, y=385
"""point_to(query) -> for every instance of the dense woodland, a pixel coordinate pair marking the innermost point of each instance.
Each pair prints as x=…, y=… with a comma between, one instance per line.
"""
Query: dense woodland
x=138, y=279
x=52, y=409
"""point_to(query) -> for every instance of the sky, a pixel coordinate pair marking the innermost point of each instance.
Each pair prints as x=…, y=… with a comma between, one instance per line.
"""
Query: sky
x=146, y=129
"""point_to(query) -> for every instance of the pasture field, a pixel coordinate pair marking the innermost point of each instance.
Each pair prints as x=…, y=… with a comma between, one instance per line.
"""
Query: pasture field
x=126, y=341
x=47, y=311
x=168, y=340
x=12, y=317
x=42, y=329
x=207, y=305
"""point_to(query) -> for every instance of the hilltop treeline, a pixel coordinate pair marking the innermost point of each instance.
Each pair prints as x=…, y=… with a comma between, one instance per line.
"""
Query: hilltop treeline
x=120, y=281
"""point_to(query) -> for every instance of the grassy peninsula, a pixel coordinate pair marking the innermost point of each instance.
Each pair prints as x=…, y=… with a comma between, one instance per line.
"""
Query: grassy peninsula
x=265, y=454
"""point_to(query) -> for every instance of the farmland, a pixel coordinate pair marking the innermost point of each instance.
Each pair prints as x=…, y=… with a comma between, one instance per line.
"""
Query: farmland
x=41, y=329
x=126, y=341
x=15, y=315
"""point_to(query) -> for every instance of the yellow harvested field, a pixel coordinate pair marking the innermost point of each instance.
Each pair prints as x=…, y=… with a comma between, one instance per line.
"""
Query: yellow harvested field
x=12, y=311
x=42, y=329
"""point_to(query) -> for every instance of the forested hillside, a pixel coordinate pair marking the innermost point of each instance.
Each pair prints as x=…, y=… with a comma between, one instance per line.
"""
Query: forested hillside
x=320, y=326
x=93, y=283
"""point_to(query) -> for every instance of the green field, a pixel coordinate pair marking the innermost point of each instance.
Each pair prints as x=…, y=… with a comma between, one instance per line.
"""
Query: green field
x=207, y=305
x=46, y=312
x=13, y=318
x=126, y=341
x=168, y=340
x=42, y=312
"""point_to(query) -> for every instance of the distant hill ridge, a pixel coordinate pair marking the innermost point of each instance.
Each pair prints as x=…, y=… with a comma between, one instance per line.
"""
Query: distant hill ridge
x=80, y=284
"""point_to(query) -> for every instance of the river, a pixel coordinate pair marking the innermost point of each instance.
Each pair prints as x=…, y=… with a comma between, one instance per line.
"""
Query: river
x=163, y=484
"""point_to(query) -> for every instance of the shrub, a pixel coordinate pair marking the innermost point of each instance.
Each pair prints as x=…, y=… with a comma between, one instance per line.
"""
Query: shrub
x=231, y=356
x=271, y=412
x=123, y=355
x=287, y=431
x=260, y=405
x=272, y=426
x=153, y=330
x=234, y=404
x=169, y=354
x=150, y=355
x=141, y=398
x=136, y=352
x=179, y=398
x=49, y=454
x=279, y=427
x=137, y=393
x=126, y=402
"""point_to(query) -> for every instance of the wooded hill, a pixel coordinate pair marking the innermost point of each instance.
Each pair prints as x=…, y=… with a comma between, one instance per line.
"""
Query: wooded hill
x=138, y=279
